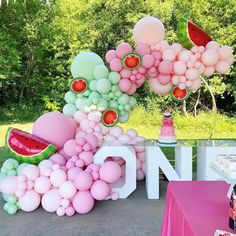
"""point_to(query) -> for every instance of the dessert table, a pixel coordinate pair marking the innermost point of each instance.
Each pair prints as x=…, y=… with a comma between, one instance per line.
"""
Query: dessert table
x=195, y=208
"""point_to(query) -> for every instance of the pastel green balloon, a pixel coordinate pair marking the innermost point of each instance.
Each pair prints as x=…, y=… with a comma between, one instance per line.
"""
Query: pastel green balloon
x=3, y=170
x=12, y=209
x=87, y=93
x=92, y=85
x=123, y=99
x=113, y=104
x=95, y=101
x=106, y=97
x=11, y=172
x=121, y=107
x=88, y=102
x=127, y=107
x=80, y=103
x=87, y=109
x=114, y=77
x=114, y=88
x=132, y=102
x=100, y=71
x=6, y=207
x=5, y=197
x=111, y=95
x=102, y=105
x=69, y=110
x=12, y=199
x=20, y=168
x=103, y=85
x=93, y=107
x=84, y=64
x=118, y=93
x=8, y=165
x=124, y=118
x=70, y=97
x=80, y=95
x=94, y=94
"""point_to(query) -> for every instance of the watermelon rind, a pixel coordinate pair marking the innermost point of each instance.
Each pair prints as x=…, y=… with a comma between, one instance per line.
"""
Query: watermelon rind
x=129, y=54
x=117, y=120
x=182, y=33
x=78, y=79
x=33, y=159
x=182, y=99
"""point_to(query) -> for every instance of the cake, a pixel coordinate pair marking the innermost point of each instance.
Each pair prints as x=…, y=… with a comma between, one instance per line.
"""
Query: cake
x=167, y=135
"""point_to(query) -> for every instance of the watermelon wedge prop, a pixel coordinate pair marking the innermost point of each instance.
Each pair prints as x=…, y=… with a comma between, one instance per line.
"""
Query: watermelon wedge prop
x=78, y=85
x=190, y=34
x=110, y=117
x=131, y=61
x=26, y=147
x=179, y=94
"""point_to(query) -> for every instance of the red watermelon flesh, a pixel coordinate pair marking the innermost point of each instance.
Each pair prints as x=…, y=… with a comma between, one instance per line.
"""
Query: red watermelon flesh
x=110, y=117
x=197, y=35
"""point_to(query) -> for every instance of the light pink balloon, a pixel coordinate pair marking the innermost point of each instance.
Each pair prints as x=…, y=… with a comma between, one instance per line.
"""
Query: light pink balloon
x=230, y=60
x=83, y=202
x=54, y=127
x=67, y=189
x=142, y=49
x=213, y=45
x=70, y=147
x=210, y=57
x=58, y=177
x=30, y=201
x=70, y=211
x=196, y=84
x=100, y=190
x=225, y=52
x=92, y=140
x=140, y=175
x=222, y=67
x=83, y=181
x=164, y=79
x=58, y=159
x=125, y=74
x=182, y=79
x=180, y=68
x=61, y=211
x=157, y=55
x=31, y=171
x=123, y=49
x=209, y=71
x=132, y=133
x=165, y=67
x=194, y=49
x=169, y=55
x=87, y=157
x=158, y=88
x=177, y=48
x=72, y=172
x=79, y=116
x=51, y=200
x=125, y=85
x=8, y=185
x=192, y=74
x=185, y=55
x=42, y=184
x=188, y=83
x=164, y=45
x=132, y=90
x=116, y=65
x=148, y=61
x=182, y=85
x=116, y=131
x=111, y=54
x=175, y=79
x=110, y=172
x=149, y=30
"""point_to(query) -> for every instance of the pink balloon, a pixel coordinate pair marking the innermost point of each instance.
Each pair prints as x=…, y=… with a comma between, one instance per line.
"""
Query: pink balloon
x=180, y=68
x=148, y=61
x=125, y=74
x=195, y=84
x=142, y=49
x=83, y=181
x=87, y=157
x=116, y=131
x=54, y=127
x=51, y=200
x=213, y=45
x=222, y=67
x=188, y=83
x=225, y=52
x=165, y=67
x=175, y=80
x=132, y=133
x=182, y=86
x=79, y=116
x=70, y=211
x=149, y=30
x=192, y=74
x=100, y=190
x=164, y=79
x=67, y=189
x=123, y=49
x=72, y=172
x=30, y=201
x=158, y=88
x=110, y=172
x=92, y=140
x=116, y=65
x=69, y=147
x=194, y=49
x=177, y=48
x=31, y=171
x=58, y=177
x=185, y=55
x=83, y=202
x=210, y=57
x=61, y=211
x=157, y=55
x=111, y=54
x=8, y=185
x=42, y=184
x=169, y=55
x=58, y=159
x=209, y=71
x=140, y=175
x=125, y=85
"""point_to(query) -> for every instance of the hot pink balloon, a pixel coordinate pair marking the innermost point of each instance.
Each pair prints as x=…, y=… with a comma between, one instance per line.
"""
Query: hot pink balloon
x=100, y=190
x=110, y=172
x=83, y=202
x=165, y=67
x=148, y=61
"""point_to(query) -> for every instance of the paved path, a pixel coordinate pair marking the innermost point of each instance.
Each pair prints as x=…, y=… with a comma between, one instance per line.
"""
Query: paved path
x=136, y=216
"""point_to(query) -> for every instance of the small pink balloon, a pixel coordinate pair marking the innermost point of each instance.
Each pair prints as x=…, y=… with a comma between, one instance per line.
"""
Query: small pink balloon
x=142, y=49
x=148, y=61
x=177, y=48
x=67, y=189
x=58, y=159
x=8, y=185
x=61, y=211
x=30, y=201
x=188, y=83
x=157, y=55
x=123, y=49
x=180, y=68
x=111, y=54
x=182, y=79
x=125, y=74
x=213, y=45
x=65, y=202
x=164, y=45
x=72, y=172
x=51, y=200
x=83, y=181
x=116, y=65
x=110, y=172
x=164, y=79
x=194, y=49
x=158, y=88
x=142, y=70
x=83, y=202
x=138, y=164
x=195, y=84
x=31, y=171
x=165, y=67
x=42, y=184
x=225, y=52
x=70, y=211
x=182, y=86
x=175, y=80
x=58, y=177
x=222, y=67
x=209, y=71
x=125, y=85
x=69, y=147
x=169, y=55
x=140, y=175
x=210, y=57
x=230, y=60
x=79, y=116
x=132, y=90
x=87, y=157
x=100, y=190
x=185, y=55
x=19, y=193
x=191, y=74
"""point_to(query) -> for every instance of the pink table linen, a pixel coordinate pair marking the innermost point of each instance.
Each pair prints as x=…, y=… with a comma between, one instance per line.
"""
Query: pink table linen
x=195, y=208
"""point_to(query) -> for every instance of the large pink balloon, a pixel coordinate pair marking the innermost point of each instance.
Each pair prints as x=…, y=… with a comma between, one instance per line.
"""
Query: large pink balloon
x=54, y=127
x=180, y=68
x=8, y=185
x=31, y=171
x=51, y=200
x=30, y=201
x=158, y=88
x=222, y=67
x=100, y=190
x=83, y=202
x=110, y=172
x=165, y=67
x=210, y=57
x=83, y=180
x=149, y=30
x=42, y=184
x=125, y=85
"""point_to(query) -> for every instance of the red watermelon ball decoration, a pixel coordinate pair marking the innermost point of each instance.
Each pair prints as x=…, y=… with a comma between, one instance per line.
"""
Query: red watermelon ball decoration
x=55, y=128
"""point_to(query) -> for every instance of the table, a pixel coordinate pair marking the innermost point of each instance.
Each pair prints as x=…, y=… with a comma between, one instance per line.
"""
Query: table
x=195, y=208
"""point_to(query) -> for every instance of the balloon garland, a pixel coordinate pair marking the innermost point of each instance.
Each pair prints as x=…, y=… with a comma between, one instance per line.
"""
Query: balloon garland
x=98, y=98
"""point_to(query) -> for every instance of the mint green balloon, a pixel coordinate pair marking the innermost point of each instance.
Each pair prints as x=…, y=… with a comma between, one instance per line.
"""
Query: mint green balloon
x=102, y=105
x=124, y=118
x=6, y=207
x=11, y=172
x=127, y=107
x=121, y=107
x=93, y=107
x=12, y=209
x=80, y=95
x=94, y=94
x=123, y=99
x=8, y=165
x=113, y=104
x=3, y=170
x=100, y=71
x=12, y=199
x=87, y=93
x=88, y=102
x=6, y=196
x=111, y=95
x=87, y=109
x=69, y=110
x=80, y=103
x=114, y=77
x=20, y=168
x=132, y=102
x=114, y=88
x=95, y=101
x=103, y=85
x=122, y=113
x=70, y=97
x=92, y=85
x=106, y=97
x=118, y=93
x=84, y=64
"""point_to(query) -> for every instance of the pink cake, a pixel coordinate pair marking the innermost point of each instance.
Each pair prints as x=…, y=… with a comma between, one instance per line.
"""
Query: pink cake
x=167, y=135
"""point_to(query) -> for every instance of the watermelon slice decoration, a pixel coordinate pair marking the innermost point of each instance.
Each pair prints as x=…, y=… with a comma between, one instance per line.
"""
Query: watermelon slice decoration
x=131, y=61
x=110, y=117
x=78, y=85
x=26, y=147
x=180, y=94
x=190, y=34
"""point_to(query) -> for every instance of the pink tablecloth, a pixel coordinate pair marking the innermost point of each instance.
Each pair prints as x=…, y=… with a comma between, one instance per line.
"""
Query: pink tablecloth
x=195, y=208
